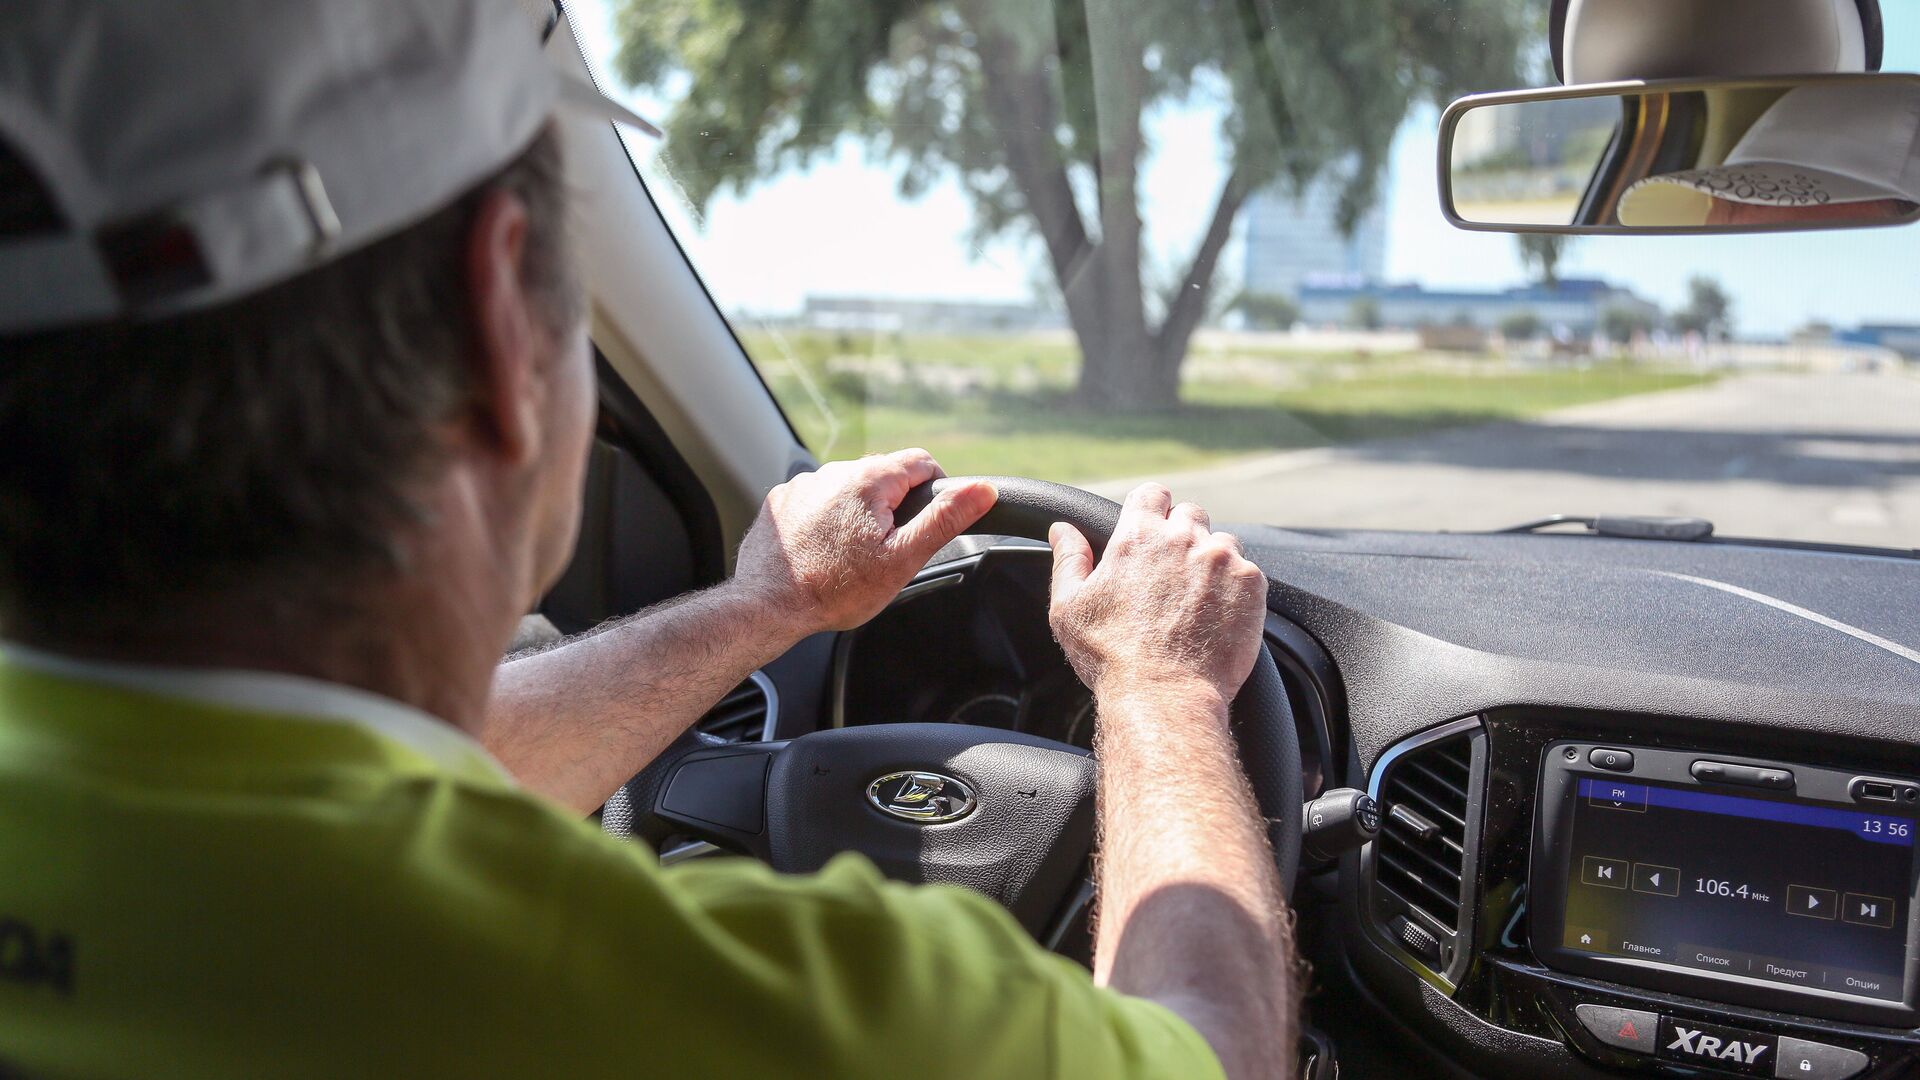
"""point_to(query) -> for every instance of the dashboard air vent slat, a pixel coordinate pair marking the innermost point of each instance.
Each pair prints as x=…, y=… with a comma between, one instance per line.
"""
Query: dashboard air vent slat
x=742, y=715
x=1420, y=870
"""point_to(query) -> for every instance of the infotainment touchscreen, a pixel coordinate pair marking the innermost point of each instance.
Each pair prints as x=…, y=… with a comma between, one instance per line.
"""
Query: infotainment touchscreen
x=1765, y=888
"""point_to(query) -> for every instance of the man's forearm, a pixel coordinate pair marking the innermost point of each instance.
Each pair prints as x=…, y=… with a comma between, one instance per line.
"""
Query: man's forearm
x=1191, y=913
x=576, y=721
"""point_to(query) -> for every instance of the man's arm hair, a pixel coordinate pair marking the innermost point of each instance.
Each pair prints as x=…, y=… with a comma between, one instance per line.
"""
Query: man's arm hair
x=576, y=719
x=1191, y=914
x=1165, y=629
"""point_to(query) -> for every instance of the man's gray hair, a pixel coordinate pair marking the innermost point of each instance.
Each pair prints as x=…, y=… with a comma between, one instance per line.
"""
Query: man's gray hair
x=275, y=443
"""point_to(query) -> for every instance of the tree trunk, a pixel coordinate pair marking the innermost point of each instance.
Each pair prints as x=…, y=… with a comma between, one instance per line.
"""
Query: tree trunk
x=1127, y=364
x=1121, y=366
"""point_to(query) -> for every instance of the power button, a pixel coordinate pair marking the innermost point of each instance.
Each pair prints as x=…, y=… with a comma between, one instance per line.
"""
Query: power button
x=1601, y=757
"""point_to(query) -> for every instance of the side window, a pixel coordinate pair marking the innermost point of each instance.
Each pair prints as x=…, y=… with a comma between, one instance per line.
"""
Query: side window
x=648, y=532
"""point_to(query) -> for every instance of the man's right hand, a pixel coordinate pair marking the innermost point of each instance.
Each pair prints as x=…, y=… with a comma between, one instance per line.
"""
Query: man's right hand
x=1164, y=630
x=1172, y=603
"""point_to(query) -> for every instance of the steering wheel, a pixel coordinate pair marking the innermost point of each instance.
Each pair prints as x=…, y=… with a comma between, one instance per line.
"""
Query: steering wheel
x=1008, y=814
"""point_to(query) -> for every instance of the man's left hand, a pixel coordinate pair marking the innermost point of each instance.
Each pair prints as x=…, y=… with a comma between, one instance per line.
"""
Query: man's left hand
x=824, y=551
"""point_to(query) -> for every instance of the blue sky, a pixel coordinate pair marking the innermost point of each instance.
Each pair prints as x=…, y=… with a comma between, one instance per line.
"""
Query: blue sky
x=840, y=227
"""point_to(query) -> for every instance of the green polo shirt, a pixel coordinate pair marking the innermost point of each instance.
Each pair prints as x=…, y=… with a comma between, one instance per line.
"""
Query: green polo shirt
x=193, y=884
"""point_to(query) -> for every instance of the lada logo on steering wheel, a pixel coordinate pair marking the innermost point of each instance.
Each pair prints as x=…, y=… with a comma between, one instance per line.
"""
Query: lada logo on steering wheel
x=924, y=798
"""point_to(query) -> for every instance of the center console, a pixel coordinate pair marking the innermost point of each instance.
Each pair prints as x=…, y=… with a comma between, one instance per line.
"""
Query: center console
x=1653, y=903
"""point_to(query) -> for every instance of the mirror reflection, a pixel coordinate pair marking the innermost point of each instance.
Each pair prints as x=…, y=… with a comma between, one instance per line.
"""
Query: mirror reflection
x=1817, y=153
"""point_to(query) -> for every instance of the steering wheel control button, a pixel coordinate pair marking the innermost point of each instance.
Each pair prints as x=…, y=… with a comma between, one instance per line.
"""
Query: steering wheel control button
x=1623, y=1029
x=923, y=798
x=1817, y=1061
x=1604, y=757
x=1710, y=1045
x=1726, y=772
x=728, y=790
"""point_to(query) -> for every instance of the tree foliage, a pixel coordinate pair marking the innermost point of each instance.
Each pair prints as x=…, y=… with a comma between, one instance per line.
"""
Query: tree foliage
x=1521, y=326
x=1709, y=310
x=1540, y=253
x=1363, y=313
x=1621, y=324
x=1267, y=311
x=1036, y=109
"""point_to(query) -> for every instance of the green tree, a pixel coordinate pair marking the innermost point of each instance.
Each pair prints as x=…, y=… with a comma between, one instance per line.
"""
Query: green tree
x=1364, y=313
x=1036, y=108
x=1621, y=325
x=1520, y=326
x=1267, y=311
x=1540, y=254
x=1709, y=310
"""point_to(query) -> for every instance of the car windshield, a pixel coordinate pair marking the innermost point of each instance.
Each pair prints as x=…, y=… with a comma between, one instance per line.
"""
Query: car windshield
x=1200, y=241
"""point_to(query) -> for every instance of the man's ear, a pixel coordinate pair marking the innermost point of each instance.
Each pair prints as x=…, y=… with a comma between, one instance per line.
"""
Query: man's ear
x=506, y=333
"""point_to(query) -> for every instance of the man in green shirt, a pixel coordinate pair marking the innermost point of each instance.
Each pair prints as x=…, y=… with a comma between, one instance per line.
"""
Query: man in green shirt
x=296, y=396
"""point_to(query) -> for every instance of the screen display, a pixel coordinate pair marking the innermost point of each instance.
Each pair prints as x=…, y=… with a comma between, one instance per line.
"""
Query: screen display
x=1789, y=893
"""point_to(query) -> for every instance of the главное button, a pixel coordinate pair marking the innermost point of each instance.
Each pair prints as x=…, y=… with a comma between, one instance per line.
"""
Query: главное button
x=1720, y=1047
x=1817, y=1061
x=1622, y=1029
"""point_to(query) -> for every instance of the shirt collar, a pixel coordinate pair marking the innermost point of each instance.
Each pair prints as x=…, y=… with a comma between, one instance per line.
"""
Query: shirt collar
x=296, y=698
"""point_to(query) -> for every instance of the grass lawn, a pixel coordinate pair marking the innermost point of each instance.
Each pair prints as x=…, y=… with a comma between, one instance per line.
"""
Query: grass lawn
x=1000, y=404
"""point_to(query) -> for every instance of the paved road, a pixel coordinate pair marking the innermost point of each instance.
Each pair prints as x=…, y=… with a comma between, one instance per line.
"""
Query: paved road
x=1833, y=457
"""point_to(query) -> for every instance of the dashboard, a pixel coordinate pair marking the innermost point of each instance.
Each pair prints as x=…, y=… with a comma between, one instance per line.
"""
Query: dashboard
x=1649, y=808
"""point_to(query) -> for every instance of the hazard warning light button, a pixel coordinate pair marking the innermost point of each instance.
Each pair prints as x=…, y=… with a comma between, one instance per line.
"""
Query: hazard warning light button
x=1622, y=1029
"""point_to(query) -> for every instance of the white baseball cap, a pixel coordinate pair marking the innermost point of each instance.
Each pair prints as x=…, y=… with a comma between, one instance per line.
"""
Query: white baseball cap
x=1820, y=144
x=201, y=150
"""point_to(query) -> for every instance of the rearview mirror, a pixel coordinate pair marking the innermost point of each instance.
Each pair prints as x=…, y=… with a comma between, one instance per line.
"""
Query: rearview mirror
x=1685, y=156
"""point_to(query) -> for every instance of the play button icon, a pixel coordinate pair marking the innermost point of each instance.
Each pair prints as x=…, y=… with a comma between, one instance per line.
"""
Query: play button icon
x=1811, y=903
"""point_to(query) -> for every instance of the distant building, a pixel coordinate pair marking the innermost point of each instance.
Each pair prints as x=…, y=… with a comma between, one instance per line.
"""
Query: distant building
x=1574, y=306
x=1904, y=340
x=1292, y=239
x=887, y=315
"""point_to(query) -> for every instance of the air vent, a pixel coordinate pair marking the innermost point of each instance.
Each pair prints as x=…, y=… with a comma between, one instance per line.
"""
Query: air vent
x=745, y=715
x=1422, y=886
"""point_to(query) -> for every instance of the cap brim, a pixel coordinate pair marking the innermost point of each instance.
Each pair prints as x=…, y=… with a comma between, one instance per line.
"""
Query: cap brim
x=1776, y=183
x=582, y=97
x=1686, y=198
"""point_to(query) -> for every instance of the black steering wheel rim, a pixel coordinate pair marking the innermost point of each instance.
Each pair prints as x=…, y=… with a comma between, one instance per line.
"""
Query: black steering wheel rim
x=797, y=803
x=1262, y=714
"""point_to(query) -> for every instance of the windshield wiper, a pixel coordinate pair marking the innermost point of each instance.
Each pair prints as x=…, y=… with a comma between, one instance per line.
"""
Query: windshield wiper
x=1624, y=526
x=1686, y=529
